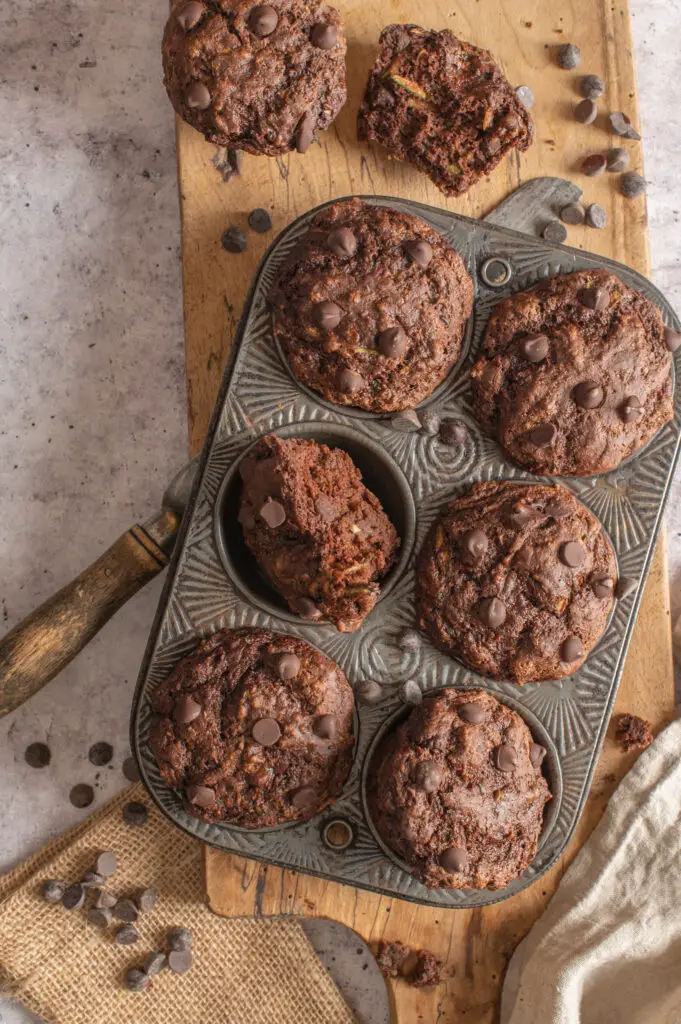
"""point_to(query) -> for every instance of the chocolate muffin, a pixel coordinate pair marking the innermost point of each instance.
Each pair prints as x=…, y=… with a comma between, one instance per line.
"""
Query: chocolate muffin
x=516, y=581
x=574, y=375
x=457, y=791
x=265, y=78
x=442, y=105
x=371, y=307
x=254, y=728
x=315, y=530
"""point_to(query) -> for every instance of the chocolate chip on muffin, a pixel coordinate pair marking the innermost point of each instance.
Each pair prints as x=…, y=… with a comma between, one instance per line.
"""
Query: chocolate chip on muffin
x=320, y=536
x=371, y=307
x=516, y=581
x=442, y=105
x=599, y=392
x=480, y=826
x=256, y=77
x=265, y=749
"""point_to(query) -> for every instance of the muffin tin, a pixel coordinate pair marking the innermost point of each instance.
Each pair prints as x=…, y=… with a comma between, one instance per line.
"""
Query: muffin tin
x=214, y=583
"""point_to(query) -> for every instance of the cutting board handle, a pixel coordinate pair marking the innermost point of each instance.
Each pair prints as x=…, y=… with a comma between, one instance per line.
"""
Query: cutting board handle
x=35, y=650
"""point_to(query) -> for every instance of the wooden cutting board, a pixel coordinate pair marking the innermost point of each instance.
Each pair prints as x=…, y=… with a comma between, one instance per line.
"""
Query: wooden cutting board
x=475, y=945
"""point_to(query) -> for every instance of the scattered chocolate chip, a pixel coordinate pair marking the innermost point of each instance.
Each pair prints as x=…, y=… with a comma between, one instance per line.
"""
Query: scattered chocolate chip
x=410, y=692
x=74, y=897
x=106, y=901
x=594, y=298
x=525, y=96
x=285, y=664
x=632, y=185
x=180, y=939
x=37, y=755
x=130, y=770
x=554, y=232
x=506, y=758
x=146, y=899
x=622, y=125
x=323, y=35
x=369, y=692
x=571, y=554
x=92, y=880
x=186, y=710
x=306, y=796
x=430, y=422
x=594, y=165
x=82, y=795
x=125, y=910
x=406, y=421
x=603, y=587
x=472, y=713
x=520, y=515
x=556, y=509
x=126, y=935
x=263, y=20
x=266, y=732
x=591, y=87
x=428, y=776
x=537, y=754
x=100, y=753
x=573, y=213
x=155, y=963
x=419, y=251
x=136, y=979
x=305, y=132
x=672, y=339
x=543, y=435
x=588, y=394
x=625, y=586
x=453, y=433
x=630, y=409
x=100, y=916
x=474, y=544
x=190, y=15
x=523, y=558
x=197, y=96
x=326, y=315
x=52, y=891
x=342, y=242
x=454, y=859
x=534, y=347
x=596, y=217
x=349, y=382
x=273, y=514
x=568, y=56
x=180, y=960
x=617, y=160
x=393, y=342
x=410, y=640
x=492, y=612
x=201, y=796
x=586, y=112
x=234, y=240
x=326, y=727
x=307, y=609
x=571, y=649
x=259, y=220
x=135, y=814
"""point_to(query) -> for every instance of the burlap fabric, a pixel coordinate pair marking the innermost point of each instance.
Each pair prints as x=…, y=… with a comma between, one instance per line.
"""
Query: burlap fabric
x=68, y=971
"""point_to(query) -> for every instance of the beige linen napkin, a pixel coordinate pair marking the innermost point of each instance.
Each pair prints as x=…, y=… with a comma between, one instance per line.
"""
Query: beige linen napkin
x=608, y=948
x=68, y=971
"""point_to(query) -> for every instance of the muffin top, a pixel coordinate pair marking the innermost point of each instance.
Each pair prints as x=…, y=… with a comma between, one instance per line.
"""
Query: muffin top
x=516, y=581
x=265, y=78
x=574, y=374
x=254, y=728
x=457, y=791
x=371, y=307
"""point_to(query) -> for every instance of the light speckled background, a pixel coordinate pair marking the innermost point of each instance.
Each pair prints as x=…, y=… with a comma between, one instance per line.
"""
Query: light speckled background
x=92, y=415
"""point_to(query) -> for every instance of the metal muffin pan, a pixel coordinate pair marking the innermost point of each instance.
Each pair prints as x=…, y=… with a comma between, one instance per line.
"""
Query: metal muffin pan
x=213, y=582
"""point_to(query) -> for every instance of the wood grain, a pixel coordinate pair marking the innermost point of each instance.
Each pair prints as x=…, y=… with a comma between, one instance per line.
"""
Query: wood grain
x=475, y=945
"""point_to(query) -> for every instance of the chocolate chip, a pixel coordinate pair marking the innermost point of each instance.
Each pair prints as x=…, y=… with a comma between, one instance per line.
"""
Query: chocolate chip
x=326, y=727
x=534, y=347
x=369, y=692
x=556, y=509
x=155, y=963
x=594, y=165
x=263, y=20
x=523, y=558
x=100, y=916
x=617, y=160
x=428, y=776
x=568, y=56
x=591, y=87
x=186, y=710
x=74, y=897
x=307, y=609
x=554, y=232
x=588, y=394
x=453, y=433
x=136, y=979
x=349, y=382
x=454, y=859
x=305, y=132
x=537, y=754
x=37, y=755
x=520, y=515
x=82, y=795
x=525, y=96
x=573, y=213
x=630, y=409
x=285, y=664
x=180, y=960
x=92, y=880
x=603, y=587
x=234, y=240
x=126, y=935
x=259, y=220
x=430, y=422
x=180, y=939
x=190, y=15
x=106, y=901
x=632, y=185
x=470, y=712
x=406, y=421
x=419, y=252
x=571, y=649
x=410, y=692
x=125, y=910
x=52, y=891
x=506, y=758
x=146, y=899
x=342, y=242
x=474, y=545
x=100, y=753
x=305, y=797
x=266, y=732
x=586, y=112
x=410, y=640
x=273, y=514
x=326, y=315
x=594, y=298
x=197, y=96
x=543, y=435
x=135, y=814
x=393, y=342
x=571, y=554
x=621, y=125
x=492, y=612
x=672, y=339
x=596, y=217
x=323, y=35
x=625, y=586
x=201, y=796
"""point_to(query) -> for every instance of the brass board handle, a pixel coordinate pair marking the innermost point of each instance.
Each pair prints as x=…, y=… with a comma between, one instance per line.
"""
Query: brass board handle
x=35, y=650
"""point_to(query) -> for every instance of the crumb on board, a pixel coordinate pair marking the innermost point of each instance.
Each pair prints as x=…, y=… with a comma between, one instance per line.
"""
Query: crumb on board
x=632, y=732
x=418, y=967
